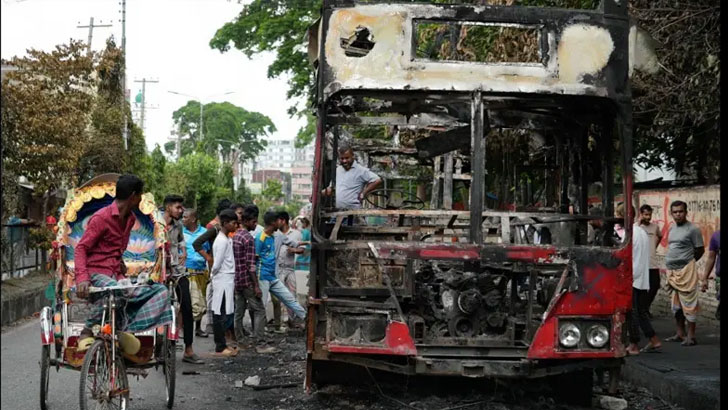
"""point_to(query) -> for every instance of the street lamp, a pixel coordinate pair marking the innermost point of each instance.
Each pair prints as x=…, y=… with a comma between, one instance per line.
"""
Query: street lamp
x=201, y=104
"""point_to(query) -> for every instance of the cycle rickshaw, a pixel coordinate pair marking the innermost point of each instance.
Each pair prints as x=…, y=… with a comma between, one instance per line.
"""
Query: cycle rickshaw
x=104, y=366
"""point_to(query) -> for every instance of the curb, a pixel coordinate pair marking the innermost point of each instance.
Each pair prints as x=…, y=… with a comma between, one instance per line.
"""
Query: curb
x=672, y=385
x=24, y=304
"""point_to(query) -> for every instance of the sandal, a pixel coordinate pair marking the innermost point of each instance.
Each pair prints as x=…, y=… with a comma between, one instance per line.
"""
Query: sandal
x=651, y=349
x=194, y=359
x=674, y=338
x=689, y=342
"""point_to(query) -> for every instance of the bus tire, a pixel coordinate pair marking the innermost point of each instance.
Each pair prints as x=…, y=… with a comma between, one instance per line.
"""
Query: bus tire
x=574, y=388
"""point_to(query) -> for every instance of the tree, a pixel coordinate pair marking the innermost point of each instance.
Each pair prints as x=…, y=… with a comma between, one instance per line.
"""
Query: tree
x=227, y=127
x=307, y=133
x=243, y=194
x=273, y=190
x=45, y=106
x=195, y=178
x=103, y=149
x=279, y=26
x=677, y=112
x=44, y=115
x=156, y=171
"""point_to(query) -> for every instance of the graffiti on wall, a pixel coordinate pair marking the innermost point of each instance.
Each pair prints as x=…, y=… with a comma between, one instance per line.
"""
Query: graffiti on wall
x=703, y=211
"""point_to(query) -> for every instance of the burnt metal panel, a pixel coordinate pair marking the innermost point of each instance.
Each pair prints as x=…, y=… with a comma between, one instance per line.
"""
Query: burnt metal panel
x=401, y=70
x=443, y=142
x=477, y=186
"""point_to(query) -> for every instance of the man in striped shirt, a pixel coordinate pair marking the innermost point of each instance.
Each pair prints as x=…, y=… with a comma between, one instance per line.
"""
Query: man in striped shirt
x=247, y=290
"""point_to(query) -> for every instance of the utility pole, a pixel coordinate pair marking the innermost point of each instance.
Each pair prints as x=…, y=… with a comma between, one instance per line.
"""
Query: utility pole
x=124, y=130
x=144, y=82
x=91, y=32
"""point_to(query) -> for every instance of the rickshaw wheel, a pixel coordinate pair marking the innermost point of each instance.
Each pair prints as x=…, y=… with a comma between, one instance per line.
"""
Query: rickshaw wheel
x=96, y=379
x=45, y=366
x=170, y=359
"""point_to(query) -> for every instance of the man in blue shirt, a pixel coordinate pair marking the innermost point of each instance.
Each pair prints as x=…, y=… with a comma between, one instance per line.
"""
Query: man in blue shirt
x=267, y=246
x=196, y=267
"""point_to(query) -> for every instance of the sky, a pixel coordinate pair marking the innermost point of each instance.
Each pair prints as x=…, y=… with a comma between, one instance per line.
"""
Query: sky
x=167, y=41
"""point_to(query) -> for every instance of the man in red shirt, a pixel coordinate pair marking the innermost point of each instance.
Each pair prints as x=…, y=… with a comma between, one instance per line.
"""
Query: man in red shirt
x=98, y=260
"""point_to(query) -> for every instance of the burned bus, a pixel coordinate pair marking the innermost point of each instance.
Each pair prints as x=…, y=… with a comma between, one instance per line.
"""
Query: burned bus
x=492, y=128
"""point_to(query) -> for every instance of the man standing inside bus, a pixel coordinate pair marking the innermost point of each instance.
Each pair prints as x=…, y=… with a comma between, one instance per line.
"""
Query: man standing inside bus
x=685, y=246
x=353, y=181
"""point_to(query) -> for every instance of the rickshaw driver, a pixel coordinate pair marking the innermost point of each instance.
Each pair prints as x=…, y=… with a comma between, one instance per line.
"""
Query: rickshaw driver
x=98, y=262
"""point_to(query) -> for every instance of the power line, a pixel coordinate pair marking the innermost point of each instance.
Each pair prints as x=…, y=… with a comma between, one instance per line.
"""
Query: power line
x=91, y=27
x=124, y=131
x=144, y=82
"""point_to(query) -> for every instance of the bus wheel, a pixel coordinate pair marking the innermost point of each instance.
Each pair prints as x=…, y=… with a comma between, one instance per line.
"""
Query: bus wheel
x=574, y=387
x=325, y=372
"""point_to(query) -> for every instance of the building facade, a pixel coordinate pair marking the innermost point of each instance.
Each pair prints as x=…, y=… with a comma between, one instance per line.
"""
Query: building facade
x=283, y=157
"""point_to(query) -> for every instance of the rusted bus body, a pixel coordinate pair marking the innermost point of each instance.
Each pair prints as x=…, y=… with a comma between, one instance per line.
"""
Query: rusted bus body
x=466, y=292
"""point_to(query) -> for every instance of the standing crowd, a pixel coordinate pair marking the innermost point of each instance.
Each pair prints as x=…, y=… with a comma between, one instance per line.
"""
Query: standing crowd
x=683, y=280
x=230, y=266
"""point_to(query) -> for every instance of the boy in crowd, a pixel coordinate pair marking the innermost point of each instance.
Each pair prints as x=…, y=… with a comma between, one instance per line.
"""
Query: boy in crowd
x=173, y=211
x=223, y=280
x=213, y=228
x=247, y=290
x=196, y=268
x=286, y=258
x=267, y=247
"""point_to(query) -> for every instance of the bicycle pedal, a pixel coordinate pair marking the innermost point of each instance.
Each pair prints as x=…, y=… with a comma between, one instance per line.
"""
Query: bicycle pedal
x=137, y=372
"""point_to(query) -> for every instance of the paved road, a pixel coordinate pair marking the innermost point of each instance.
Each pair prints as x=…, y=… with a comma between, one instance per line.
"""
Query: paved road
x=21, y=378
x=214, y=387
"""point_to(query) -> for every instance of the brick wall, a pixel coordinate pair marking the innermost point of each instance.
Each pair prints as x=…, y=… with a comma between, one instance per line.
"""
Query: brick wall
x=703, y=211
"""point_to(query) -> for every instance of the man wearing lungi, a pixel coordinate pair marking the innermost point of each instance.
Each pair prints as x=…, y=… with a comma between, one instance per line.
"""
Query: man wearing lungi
x=99, y=263
x=685, y=246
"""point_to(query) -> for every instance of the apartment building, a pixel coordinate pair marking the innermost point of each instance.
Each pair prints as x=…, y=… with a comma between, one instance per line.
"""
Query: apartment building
x=283, y=156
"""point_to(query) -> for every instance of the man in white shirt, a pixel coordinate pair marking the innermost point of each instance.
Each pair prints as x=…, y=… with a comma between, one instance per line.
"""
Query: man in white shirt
x=655, y=235
x=222, y=275
x=638, y=318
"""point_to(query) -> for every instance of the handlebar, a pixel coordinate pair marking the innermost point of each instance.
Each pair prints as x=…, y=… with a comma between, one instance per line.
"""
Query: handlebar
x=94, y=289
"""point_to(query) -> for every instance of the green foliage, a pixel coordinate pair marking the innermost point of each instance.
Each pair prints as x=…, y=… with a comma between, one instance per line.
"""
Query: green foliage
x=45, y=105
x=307, y=133
x=195, y=178
x=103, y=149
x=279, y=26
x=273, y=190
x=226, y=179
x=226, y=126
x=41, y=238
x=155, y=168
x=677, y=110
x=243, y=194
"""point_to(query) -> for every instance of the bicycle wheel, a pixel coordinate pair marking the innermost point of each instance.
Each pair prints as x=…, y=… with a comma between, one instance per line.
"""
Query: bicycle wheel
x=99, y=387
x=45, y=366
x=170, y=364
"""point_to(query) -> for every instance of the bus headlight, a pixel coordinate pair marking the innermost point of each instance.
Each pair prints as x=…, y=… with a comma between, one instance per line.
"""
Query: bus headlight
x=569, y=335
x=597, y=336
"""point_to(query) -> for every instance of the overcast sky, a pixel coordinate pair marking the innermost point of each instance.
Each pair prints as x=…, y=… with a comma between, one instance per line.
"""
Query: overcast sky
x=167, y=40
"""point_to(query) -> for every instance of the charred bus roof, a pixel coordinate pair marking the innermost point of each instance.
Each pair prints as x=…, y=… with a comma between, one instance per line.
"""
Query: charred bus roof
x=374, y=47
